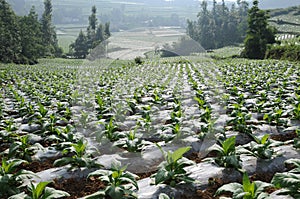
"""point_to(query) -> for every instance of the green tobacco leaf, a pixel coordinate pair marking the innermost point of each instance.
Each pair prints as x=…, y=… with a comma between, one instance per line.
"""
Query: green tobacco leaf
x=265, y=138
x=10, y=166
x=161, y=176
x=53, y=193
x=247, y=185
x=260, y=188
x=63, y=161
x=286, y=180
x=115, y=192
x=232, y=187
x=22, y=195
x=296, y=163
x=229, y=145
x=179, y=153
x=38, y=190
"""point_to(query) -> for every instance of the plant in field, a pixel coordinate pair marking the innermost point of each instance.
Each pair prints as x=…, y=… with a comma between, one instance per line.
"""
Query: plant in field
x=40, y=191
x=42, y=110
x=145, y=121
x=22, y=148
x=119, y=183
x=83, y=119
x=296, y=111
x=111, y=131
x=274, y=116
x=206, y=115
x=67, y=113
x=9, y=125
x=79, y=157
x=50, y=126
x=239, y=122
x=247, y=190
x=8, y=134
x=63, y=138
x=226, y=153
x=171, y=171
x=11, y=178
x=157, y=97
x=261, y=148
x=289, y=182
x=132, y=142
x=201, y=102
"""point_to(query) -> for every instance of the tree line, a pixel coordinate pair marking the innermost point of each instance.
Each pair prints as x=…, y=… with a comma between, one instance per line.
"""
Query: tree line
x=24, y=39
x=221, y=26
x=96, y=35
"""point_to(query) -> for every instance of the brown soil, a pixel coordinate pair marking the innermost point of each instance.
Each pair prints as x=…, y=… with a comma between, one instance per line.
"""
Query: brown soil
x=284, y=137
x=265, y=177
x=145, y=175
x=209, y=193
x=37, y=166
x=195, y=157
x=78, y=187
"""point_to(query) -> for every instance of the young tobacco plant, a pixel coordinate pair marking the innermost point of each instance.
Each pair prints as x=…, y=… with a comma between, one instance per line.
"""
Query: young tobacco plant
x=79, y=157
x=247, y=190
x=11, y=178
x=119, y=182
x=227, y=155
x=111, y=131
x=132, y=142
x=289, y=182
x=171, y=171
x=261, y=148
x=22, y=148
x=40, y=191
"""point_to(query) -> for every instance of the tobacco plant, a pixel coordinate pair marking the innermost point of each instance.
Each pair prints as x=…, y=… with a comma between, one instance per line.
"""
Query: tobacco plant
x=247, y=190
x=132, y=142
x=261, y=148
x=22, y=148
x=227, y=155
x=289, y=182
x=77, y=157
x=11, y=177
x=172, y=170
x=119, y=182
x=40, y=191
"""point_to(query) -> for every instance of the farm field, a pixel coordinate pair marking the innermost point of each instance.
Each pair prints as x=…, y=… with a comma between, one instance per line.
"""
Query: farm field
x=168, y=121
x=127, y=44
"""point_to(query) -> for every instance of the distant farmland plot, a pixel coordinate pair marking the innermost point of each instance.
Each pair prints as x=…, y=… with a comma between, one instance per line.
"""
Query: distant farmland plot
x=131, y=43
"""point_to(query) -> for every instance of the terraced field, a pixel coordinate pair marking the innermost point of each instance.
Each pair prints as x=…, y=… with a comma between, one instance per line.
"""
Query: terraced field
x=181, y=128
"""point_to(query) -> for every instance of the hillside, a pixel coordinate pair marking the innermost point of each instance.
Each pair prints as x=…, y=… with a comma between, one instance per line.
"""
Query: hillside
x=287, y=21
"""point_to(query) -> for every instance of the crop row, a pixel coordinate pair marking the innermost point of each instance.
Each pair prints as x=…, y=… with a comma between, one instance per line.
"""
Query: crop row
x=87, y=111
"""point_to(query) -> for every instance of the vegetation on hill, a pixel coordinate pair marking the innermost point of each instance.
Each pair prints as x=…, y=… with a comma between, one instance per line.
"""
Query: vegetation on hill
x=221, y=26
x=259, y=33
x=95, y=36
x=24, y=39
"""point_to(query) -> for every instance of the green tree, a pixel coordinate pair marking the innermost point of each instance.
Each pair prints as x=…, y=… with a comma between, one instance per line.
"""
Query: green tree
x=93, y=43
x=259, y=33
x=106, y=30
x=10, y=39
x=91, y=29
x=31, y=37
x=49, y=35
x=80, y=46
x=219, y=26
